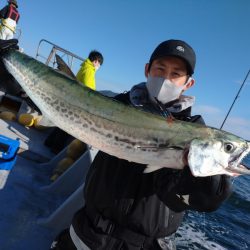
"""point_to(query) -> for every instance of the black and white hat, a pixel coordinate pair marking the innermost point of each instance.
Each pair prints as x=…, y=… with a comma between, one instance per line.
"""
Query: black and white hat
x=176, y=48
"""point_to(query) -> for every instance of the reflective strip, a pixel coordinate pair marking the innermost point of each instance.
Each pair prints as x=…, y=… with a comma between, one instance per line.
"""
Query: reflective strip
x=9, y=23
x=13, y=13
x=76, y=240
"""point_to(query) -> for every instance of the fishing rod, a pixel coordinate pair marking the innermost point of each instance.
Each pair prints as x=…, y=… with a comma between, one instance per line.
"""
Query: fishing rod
x=235, y=99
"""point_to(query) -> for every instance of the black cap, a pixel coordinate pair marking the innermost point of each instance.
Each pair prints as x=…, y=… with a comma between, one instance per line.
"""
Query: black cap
x=13, y=2
x=175, y=48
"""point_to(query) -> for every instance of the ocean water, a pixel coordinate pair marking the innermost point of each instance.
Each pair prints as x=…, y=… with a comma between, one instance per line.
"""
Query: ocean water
x=228, y=228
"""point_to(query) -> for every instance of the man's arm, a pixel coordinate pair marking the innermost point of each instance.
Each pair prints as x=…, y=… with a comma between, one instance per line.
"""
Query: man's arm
x=204, y=194
x=181, y=190
x=4, y=11
x=89, y=79
x=8, y=44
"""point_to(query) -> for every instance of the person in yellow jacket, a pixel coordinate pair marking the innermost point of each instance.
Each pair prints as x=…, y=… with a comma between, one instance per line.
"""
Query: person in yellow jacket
x=86, y=74
x=9, y=18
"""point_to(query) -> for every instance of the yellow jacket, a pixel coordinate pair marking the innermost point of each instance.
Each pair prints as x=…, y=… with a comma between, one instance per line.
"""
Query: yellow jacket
x=86, y=74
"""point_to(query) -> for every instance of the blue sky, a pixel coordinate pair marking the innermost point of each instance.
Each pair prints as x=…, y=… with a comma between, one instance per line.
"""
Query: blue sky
x=127, y=31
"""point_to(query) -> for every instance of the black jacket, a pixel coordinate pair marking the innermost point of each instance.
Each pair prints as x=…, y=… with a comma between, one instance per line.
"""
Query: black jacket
x=4, y=12
x=127, y=209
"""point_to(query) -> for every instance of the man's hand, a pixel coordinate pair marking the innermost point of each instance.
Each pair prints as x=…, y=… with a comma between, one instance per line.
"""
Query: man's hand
x=8, y=44
x=185, y=157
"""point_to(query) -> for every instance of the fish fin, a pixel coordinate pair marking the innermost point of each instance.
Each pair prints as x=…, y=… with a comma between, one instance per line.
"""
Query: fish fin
x=150, y=169
x=63, y=67
x=44, y=121
x=165, y=112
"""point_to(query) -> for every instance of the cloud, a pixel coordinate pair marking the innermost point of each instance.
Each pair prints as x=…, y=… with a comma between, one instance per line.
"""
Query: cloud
x=214, y=117
x=238, y=121
x=205, y=109
x=247, y=80
x=238, y=126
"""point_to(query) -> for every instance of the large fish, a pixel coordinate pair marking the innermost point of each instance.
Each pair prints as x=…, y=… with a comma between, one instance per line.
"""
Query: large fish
x=124, y=131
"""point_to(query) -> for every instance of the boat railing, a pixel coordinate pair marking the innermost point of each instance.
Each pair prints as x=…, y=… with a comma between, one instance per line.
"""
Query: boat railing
x=53, y=49
x=18, y=33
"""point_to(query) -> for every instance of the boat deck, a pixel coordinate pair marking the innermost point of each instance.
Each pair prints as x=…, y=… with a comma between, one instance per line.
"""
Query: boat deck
x=33, y=208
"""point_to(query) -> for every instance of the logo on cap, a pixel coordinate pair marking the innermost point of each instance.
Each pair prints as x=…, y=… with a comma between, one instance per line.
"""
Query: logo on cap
x=180, y=48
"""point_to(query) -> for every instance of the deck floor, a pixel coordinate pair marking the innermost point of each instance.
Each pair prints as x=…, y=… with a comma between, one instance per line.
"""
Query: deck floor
x=22, y=204
x=24, y=201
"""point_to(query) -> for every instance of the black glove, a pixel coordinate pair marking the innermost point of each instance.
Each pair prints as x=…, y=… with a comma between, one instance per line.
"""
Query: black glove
x=8, y=44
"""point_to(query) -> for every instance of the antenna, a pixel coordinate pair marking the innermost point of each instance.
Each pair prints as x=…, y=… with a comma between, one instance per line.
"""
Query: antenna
x=235, y=99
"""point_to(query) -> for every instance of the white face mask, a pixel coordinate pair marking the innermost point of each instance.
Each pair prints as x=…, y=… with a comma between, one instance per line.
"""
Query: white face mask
x=97, y=67
x=162, y=89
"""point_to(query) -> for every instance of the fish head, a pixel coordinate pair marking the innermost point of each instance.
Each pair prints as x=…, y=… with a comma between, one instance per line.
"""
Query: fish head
x=209, y=157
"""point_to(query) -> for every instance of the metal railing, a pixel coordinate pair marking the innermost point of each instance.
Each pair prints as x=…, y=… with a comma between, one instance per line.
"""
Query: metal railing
x=18, y=33
x=50, y=60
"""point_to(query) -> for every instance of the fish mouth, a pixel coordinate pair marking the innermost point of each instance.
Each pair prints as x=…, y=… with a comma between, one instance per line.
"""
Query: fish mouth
x=236, y=168
x=240, y=170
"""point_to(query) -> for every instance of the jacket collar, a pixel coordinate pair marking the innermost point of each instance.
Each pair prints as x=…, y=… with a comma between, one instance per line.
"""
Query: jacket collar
x=89, y=64
x=139, y=97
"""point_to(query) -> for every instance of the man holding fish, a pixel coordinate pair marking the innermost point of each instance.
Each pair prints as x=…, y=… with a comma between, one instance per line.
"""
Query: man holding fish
x=126, y=208
x=156, y=159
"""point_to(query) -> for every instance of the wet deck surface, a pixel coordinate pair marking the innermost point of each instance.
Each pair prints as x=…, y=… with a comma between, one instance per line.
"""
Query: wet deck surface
x=22, y=203
x=31, y=140
x=33, y=208
x=22, y=200
x=27, y=199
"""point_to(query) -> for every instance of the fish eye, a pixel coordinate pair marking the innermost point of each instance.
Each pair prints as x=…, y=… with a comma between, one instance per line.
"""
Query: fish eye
x=229, y=147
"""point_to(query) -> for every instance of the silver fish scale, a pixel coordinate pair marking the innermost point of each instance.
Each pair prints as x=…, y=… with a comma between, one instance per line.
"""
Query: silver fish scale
x=110, y=126
x=81, y=124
